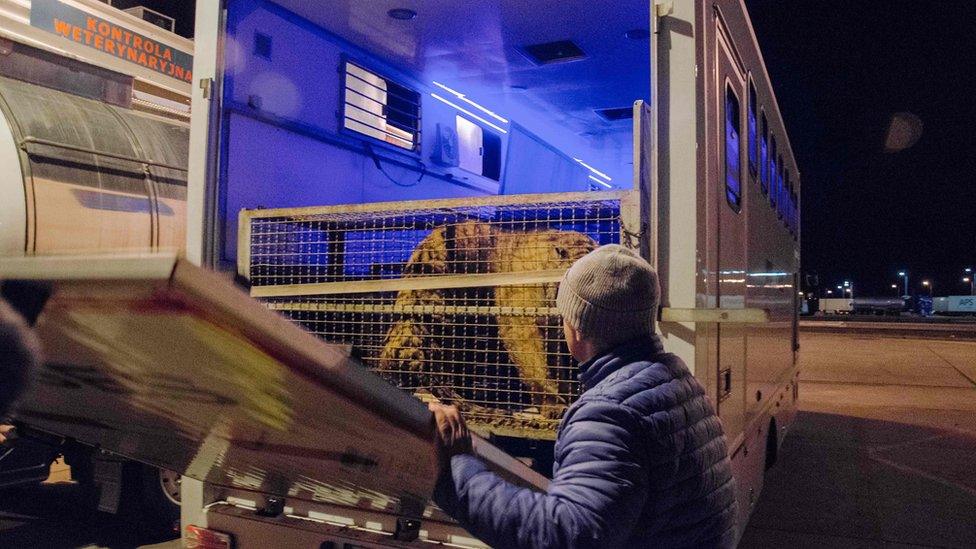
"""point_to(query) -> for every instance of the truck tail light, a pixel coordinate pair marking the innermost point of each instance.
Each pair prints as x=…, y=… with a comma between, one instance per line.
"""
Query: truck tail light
x=201, y=538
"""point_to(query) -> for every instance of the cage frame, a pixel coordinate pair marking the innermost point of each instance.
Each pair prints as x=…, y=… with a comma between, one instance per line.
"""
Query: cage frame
x=634, y=216
x=635, y=233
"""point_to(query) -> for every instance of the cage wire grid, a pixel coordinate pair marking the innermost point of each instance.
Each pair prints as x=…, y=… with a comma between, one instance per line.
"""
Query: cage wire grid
x=362, y=277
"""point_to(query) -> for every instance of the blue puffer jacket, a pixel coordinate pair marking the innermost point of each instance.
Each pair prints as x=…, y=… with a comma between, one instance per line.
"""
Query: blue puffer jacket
x=641, y=461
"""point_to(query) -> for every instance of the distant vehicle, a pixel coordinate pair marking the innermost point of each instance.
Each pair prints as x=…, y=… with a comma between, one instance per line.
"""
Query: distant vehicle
x=836, y=306
x=888, y=306
x=954, y=305
x=923, y=305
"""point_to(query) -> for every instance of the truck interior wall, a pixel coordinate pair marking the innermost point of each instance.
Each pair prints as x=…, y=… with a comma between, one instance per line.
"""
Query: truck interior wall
x=276, y=168
x=282, y=104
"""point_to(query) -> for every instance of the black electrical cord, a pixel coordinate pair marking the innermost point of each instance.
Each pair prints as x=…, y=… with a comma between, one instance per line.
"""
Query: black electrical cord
x=376, y=161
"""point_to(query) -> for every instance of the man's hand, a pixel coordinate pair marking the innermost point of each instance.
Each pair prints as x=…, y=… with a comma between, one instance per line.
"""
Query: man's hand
x=7, y=433
x=450, y=432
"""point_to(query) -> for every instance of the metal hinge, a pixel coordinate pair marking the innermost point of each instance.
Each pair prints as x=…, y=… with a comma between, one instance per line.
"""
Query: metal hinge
x=206, y=84
x=662, y=8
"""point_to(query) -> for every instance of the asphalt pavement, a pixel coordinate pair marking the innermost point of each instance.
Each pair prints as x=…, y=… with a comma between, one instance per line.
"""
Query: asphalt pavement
x=881, y=454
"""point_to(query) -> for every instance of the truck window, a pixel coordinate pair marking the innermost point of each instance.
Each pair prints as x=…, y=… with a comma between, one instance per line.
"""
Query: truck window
x=772, y=171
x=379, y=108
x=753, y=146
x=779, y=189
x=733, y=190
x=764, y=155
x=787, y=201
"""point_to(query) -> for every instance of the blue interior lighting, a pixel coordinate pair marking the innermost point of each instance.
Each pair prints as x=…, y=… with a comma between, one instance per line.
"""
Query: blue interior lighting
x=462, y=97
x=469, y=113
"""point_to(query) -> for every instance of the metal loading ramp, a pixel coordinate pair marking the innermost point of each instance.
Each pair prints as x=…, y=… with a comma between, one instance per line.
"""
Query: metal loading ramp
x=159, y=361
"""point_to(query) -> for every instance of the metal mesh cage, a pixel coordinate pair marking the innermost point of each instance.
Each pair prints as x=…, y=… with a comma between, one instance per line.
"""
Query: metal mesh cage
x=451, y=299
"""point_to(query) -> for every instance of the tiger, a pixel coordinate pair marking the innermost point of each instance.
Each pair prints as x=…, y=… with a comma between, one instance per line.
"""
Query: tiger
x=412, y=344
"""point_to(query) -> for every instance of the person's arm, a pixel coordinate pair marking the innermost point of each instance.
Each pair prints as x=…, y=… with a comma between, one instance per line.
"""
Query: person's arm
x=594, y=500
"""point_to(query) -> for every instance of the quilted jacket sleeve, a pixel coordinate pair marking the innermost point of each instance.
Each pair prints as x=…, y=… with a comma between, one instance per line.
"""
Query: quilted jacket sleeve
x=594, y=499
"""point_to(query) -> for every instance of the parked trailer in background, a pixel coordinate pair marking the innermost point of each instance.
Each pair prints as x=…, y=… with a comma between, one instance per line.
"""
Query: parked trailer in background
x=836, y=305
x=954, y=305
x=889, y=306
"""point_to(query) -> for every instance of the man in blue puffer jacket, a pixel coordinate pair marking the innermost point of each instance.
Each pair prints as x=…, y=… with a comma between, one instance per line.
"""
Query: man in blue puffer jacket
x=640, y=458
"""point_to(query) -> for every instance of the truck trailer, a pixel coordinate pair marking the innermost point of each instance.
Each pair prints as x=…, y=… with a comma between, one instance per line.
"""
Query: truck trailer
x=836, y=305
x=954, y=305
x=656, y=128
x=408, y=186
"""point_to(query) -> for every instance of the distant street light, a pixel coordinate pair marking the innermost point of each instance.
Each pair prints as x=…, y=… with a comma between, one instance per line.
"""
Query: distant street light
x=895, y=288
x=904, y=274
x=928, y=285
x=972, y=284
x=849, y=287
x=830, y=292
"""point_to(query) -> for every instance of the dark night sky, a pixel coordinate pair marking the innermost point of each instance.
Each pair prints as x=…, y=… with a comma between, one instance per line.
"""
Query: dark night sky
x=840, y=71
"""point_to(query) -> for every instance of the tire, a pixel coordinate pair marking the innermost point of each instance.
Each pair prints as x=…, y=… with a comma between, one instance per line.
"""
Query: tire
x=772, y=446
x=159, y=499
x=149, y=498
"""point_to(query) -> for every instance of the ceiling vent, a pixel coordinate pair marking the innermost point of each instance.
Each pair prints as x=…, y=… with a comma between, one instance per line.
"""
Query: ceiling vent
x=561, y=51
x=617, y=113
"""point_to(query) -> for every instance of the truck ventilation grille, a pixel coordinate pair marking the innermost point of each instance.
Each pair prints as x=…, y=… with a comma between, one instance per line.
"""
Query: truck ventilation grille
x=561, y=51
x=614, y=114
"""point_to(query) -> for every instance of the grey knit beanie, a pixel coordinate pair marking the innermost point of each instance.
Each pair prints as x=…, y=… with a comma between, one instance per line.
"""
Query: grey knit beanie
x=609, y=294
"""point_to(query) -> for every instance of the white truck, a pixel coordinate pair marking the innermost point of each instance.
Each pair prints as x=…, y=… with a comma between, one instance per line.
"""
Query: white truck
x=325, y=179
x=412, y=182
x=835, y=305
x=954, y=305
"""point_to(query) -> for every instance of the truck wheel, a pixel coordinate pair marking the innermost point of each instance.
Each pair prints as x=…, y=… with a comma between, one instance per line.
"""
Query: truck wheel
x=160, y=499
x=150, y=497
x=772, y=448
